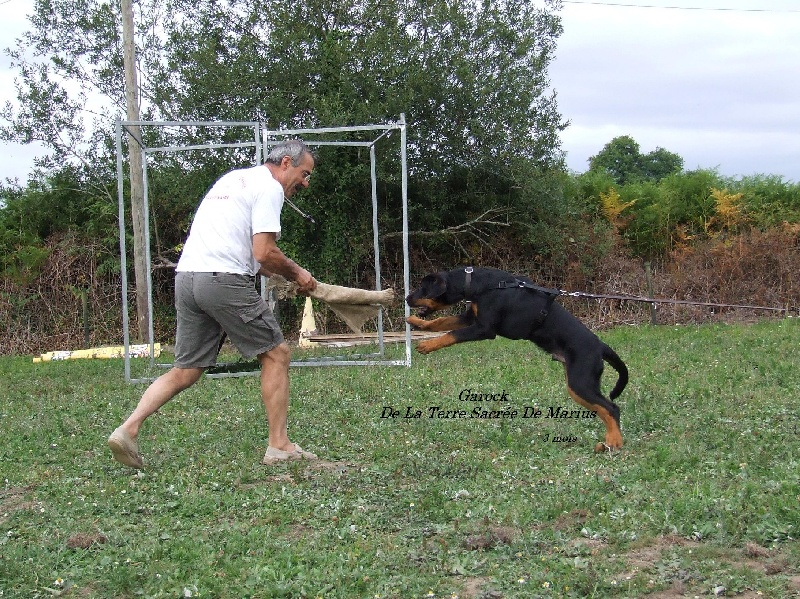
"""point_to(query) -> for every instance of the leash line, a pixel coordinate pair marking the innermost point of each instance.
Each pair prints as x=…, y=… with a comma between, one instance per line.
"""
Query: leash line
x=553, y=293
x=649, y=300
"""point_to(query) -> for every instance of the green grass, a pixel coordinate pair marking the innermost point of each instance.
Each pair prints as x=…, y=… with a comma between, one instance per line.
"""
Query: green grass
x=705, y=494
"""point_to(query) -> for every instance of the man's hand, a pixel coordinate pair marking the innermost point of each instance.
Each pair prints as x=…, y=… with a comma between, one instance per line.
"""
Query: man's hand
x=305, y=282
x=273, y=260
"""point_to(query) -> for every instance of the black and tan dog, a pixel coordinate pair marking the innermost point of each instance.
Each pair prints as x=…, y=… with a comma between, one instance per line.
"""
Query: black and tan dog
x=499, y=303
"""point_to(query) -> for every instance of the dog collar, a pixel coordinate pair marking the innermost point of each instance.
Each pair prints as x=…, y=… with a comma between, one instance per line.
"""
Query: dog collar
x=467, y=282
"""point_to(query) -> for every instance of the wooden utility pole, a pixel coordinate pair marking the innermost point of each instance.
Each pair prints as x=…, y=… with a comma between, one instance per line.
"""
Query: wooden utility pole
x=140, y=266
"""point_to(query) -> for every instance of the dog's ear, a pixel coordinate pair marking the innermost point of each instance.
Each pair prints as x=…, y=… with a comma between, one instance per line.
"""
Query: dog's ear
x=434, y=285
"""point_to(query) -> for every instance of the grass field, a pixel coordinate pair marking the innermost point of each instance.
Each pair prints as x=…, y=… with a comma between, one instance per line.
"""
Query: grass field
x=703, y=500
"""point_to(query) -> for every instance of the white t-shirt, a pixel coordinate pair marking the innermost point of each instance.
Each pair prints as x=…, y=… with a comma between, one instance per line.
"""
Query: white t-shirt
x=241, y=203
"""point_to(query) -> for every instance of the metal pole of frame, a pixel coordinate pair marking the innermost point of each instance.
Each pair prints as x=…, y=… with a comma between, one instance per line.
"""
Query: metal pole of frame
x=123, y=265
x=406, y=265
x=262, y=140
x=262, y=150
x=375, y=244
x=148, y=258
x=123, y=260
x=259, y=158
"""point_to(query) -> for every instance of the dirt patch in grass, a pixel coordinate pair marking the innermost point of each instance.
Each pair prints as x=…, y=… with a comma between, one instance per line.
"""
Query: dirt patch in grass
x=298, y=532
x=490, y=537
x=652, y=557
x=794, y=583
x=301, y=470
x=566, y=522
x=335, y=467
x=13, y=500
x=573, y=518
x=476, y=588
x=645, y=556
x=85, y=541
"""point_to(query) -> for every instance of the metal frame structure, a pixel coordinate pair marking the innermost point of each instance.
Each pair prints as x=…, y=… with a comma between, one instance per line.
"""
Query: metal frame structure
x=262, y=140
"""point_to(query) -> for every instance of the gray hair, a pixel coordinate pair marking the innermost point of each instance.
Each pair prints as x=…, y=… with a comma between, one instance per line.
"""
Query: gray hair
x=293, y=148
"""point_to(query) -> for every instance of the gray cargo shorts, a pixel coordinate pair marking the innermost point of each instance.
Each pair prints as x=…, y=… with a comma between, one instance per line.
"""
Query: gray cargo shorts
x=210, y=303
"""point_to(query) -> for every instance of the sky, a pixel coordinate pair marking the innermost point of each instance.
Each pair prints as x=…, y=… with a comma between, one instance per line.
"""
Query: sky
x=718, y=84
x=714, y=81
x=15, y=160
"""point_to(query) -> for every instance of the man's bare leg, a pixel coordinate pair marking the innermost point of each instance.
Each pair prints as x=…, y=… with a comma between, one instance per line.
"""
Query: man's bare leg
x=160, y=391
x=123, y=440
x=275, y=395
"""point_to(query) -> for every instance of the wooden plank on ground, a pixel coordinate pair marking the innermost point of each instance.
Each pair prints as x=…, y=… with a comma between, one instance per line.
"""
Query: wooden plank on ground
x=350, y=339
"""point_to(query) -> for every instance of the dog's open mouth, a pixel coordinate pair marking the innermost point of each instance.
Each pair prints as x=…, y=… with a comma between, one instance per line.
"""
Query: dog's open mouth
x=423, y=311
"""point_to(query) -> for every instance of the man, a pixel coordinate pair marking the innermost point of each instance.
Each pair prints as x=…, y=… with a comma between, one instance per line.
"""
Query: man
x=232, y=239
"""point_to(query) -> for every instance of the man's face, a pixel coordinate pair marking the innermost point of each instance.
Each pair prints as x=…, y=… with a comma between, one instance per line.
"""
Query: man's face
x=296, y=178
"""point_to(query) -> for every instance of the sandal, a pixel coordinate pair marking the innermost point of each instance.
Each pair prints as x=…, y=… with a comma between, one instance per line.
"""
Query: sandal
x=125, y=449
x=275, y=455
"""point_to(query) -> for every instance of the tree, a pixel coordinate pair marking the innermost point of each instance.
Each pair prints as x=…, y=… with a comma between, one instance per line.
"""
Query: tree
x=71, y=59
x=70, y=80
x=52, y=205
x=140, y=265
x=622, y=159
x=660, y=163
x=470, y=75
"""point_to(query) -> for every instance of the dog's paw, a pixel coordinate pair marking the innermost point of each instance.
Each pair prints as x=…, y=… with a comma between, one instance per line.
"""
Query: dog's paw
x=425, y=347
x=416, y=321
x=603, y=447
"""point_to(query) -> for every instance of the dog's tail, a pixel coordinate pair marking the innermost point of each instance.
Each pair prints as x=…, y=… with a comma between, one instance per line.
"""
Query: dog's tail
x=610, y=356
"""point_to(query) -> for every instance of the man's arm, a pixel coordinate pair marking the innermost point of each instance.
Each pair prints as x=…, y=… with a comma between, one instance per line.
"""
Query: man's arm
x=274, y=261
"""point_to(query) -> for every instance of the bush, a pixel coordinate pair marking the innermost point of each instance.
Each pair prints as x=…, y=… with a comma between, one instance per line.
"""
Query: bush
x=44, y=312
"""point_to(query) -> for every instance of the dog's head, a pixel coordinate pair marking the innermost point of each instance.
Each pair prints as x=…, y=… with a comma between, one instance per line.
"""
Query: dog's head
x=430, y=296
